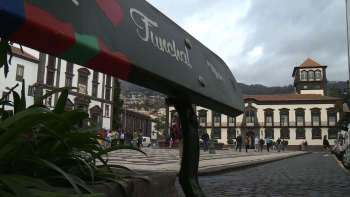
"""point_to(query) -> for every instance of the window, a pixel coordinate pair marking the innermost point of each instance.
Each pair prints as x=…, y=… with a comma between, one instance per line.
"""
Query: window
x=108, y=81
x=68, y=81
x=318, y=75
x=94, y=90
x=69, y=68
x=303, y=75
x=202, y=118
x=311, y=75
x=19, y=73
x=83, y=76
x=106, y=110
x=51, y=63
x=95, y=117
x=95, y=76
x=284, y=133
x=49, y=77
x=217, y=134
x=332, y=118
x=316, y=133
x=269, y=118
x=7, y=98
x=217, y=119
x=332, y=134
x=299, y=114
x=300, y=133
x=231, y=134
x=249, y=117
x=108, y=94
x=48, y=100
x=69, y=74
x=231, y=121
x=315, y=118
x=284, y=114
x=269, y=133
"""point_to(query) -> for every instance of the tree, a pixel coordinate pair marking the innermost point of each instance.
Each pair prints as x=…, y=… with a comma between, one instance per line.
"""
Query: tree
x=117, y=106
x=160, y=124
x=334, y=92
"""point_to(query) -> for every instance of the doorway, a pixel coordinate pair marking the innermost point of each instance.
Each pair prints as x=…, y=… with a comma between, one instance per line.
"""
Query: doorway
x=251, y=136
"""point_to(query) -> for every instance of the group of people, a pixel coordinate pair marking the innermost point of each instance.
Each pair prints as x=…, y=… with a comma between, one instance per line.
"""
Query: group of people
x=114, y=138
x=258, y=144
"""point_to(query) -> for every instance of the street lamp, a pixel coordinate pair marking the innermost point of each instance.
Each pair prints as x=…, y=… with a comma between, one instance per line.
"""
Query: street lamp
x=262, y=134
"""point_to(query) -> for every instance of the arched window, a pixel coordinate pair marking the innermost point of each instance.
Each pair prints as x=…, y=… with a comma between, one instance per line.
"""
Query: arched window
x=299, y=114
x=269, y=118
x=318, y=75
x=202, y=118
x=311, y=75
x=304, y=75
x=249, y=116
x=316, y=120
x=300, y=133
x=284, y=114
x=332, y=117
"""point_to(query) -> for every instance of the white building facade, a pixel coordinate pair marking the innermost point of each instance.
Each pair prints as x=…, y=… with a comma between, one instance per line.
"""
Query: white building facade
x=308, y=115
x=94, y=93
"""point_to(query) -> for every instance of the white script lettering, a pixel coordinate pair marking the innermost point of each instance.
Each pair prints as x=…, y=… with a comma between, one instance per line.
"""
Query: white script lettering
x=162, y=44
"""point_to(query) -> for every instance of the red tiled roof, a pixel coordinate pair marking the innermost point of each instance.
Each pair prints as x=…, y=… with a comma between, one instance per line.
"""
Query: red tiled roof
x=310, y=63
x=290, y=97
x=18, y=52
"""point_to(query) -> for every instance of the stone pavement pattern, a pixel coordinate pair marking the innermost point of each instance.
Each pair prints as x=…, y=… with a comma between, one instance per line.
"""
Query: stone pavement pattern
x=167, y=160
x=305, y=175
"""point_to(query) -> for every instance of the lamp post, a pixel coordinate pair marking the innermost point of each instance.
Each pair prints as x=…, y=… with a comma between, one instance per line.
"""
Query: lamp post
x=212, y=146
x=262, y=134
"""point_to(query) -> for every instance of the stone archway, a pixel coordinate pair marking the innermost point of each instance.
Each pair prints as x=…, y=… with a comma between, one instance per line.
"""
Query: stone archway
x=251, y=136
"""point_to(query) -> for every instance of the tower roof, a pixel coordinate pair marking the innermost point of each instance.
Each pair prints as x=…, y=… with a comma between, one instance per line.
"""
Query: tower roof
x=310, y=63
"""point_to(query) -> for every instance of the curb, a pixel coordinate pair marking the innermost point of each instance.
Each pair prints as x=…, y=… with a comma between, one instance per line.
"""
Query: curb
x=221, y=170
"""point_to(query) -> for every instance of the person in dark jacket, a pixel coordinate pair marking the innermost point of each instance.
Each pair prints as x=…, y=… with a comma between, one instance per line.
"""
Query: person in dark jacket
x=325, y=145
x=261, y=142
x=239, y=143
x=205, y=138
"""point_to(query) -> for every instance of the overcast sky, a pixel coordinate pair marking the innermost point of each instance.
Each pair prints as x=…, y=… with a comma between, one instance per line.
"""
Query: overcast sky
x=263, y=40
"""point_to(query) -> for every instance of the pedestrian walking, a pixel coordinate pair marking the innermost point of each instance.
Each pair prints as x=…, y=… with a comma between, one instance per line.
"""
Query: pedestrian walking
x=261, y=142
x=121, y=138
x=278, y=143
x=302, y=146
x=306, y=147
x=205, y=138
x=239, y=143
x=167, y=138
x=268, y=141
x=109, y=139
x=246, y=142
x=171, y=142
x=325, y=145
x=139, y=141
x=135, y=137
x=274, y=146
x=256, y=143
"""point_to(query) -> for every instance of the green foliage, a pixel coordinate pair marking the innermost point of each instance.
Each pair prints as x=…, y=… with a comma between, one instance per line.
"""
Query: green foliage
x=42, y=148
x=230, y=141
x=334, y=92
x=285, y=143
x=160, y=123
x=117, y=106
x=5, y=48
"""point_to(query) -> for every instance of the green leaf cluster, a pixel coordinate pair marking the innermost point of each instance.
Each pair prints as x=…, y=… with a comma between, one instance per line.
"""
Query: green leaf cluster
x=42, y=148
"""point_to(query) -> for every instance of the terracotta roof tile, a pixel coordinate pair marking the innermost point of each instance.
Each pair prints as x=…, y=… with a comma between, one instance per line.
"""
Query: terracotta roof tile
x=17, y=51
x=310, y=63
x=290, y=97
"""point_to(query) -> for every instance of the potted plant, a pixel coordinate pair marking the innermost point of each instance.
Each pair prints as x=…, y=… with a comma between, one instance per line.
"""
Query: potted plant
x=229, y=143
x=284, y=144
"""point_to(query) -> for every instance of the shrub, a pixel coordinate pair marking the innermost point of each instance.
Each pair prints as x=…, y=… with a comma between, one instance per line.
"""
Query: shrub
x=285, y=143
x=42, y=148
x=230, y=141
